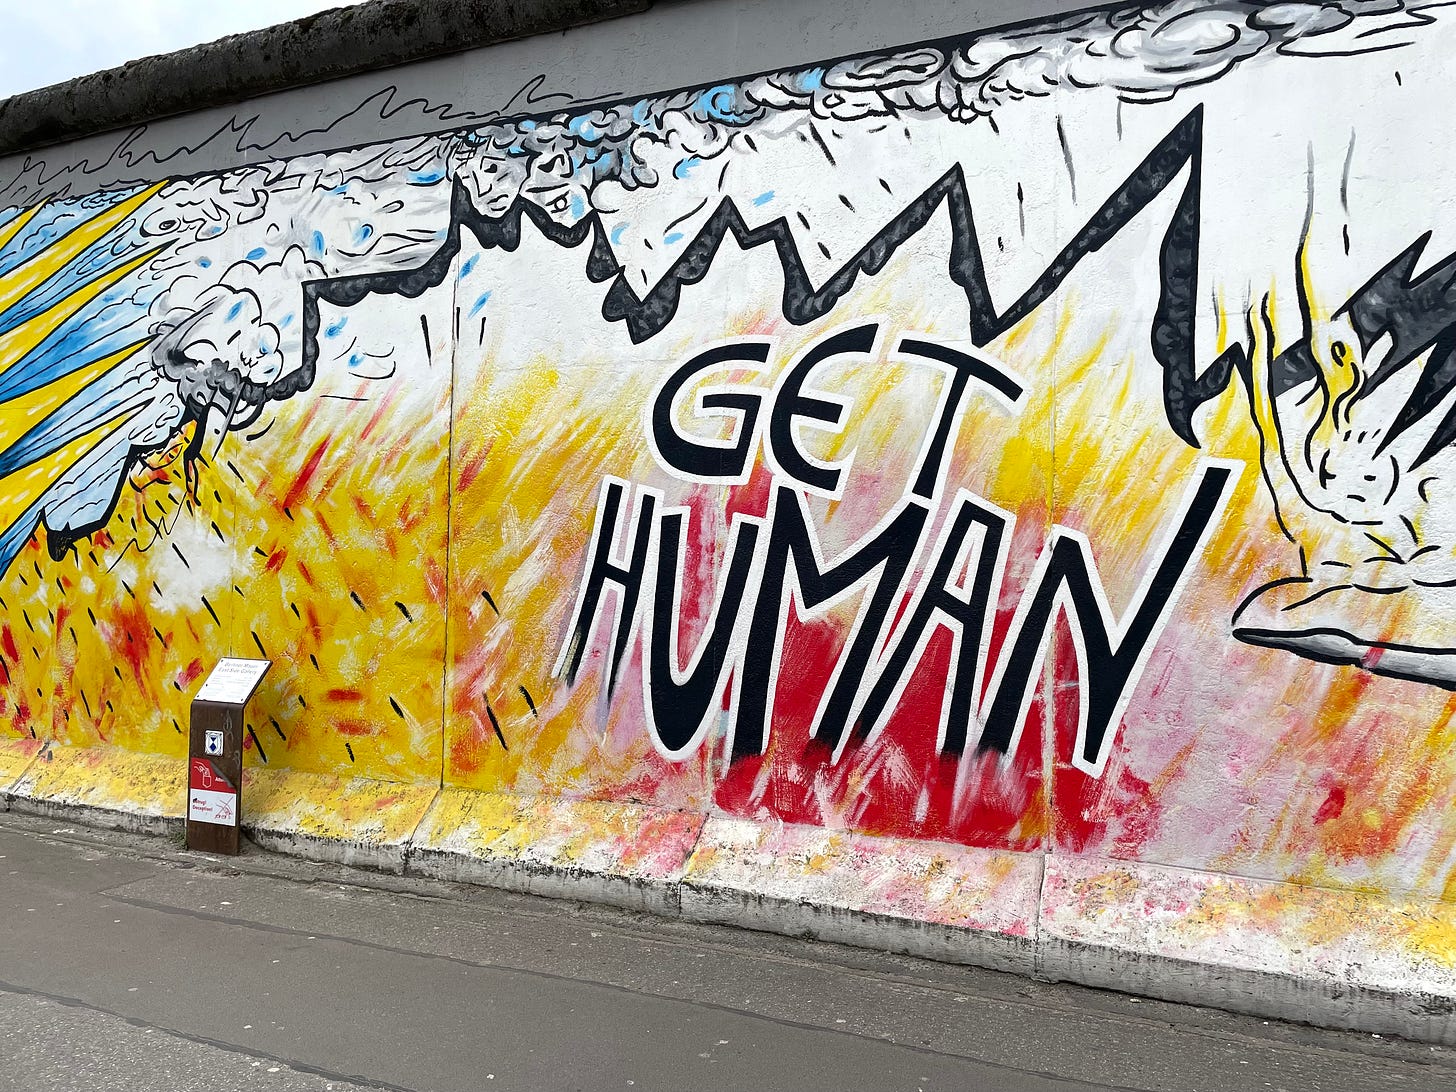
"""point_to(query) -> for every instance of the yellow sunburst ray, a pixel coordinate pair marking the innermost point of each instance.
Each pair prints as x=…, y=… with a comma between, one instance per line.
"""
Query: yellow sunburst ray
x=16, y=226
x=15, y=343
x=21, y=489
x=20, y=414
x=36, y=270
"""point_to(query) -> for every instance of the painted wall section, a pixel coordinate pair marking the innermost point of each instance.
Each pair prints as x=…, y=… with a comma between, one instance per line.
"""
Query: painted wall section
x=1035, y=439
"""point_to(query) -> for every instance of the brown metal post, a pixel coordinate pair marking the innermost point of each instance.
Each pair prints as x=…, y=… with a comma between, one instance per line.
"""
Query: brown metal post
x=215, y=757
x=219, y=775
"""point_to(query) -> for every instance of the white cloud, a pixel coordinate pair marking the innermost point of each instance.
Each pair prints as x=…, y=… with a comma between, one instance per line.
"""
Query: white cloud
x=47, y=41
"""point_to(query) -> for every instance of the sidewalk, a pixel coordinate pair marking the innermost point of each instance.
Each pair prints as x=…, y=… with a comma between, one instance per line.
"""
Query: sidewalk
x=129, y=964
x=1335, y=958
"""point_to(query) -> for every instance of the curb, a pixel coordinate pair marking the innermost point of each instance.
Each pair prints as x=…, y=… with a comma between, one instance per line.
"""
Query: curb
x=1335, y=958
x=101, y=818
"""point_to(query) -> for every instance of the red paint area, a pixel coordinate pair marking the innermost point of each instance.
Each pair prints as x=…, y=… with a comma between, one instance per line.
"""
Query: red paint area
x=301, y=483
x=466, y=748
x=750, y=498
x=1081, y=819
x=435, y=581
x=897, y=785
x=190, y=674
x=471, y=466
x=976, y=799
x=129, y=632
x=1333, y=806
x=385, y=405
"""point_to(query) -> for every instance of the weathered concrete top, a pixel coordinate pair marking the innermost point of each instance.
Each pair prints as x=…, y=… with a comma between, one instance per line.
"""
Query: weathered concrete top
x=326, y=46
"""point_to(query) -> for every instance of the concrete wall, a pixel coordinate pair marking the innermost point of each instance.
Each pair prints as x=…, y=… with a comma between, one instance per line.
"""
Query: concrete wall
x=750, y=430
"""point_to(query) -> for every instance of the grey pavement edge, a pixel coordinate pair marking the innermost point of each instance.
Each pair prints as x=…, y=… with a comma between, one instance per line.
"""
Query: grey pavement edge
x=129, y=963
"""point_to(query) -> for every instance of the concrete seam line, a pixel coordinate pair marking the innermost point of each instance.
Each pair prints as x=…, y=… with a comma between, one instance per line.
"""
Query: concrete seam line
x=407, y=847
x=341, y=42
x=1038, y=935
x=9, y=790
x=674, y=888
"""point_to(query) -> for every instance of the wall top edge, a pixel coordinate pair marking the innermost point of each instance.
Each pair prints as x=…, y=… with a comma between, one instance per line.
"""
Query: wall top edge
x=330, y=45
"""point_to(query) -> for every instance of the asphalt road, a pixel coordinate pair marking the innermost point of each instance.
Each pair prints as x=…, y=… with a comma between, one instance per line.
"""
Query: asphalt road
x=128, y=964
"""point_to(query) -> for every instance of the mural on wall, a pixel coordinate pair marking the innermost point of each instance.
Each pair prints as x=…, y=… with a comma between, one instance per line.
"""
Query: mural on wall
x=1037, y=437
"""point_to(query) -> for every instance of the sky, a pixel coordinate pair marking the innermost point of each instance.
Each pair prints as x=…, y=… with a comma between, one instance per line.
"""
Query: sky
x=47, y=41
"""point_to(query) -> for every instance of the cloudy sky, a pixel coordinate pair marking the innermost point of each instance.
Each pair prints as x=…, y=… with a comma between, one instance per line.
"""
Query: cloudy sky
x=47, y=41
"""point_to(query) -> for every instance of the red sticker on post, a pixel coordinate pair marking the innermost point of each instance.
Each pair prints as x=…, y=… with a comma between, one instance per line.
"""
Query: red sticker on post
x=211, y=797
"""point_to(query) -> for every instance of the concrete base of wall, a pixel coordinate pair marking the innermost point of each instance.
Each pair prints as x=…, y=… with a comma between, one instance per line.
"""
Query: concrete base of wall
x=921, y=898
x=102, y=787
x=622, y=854
x=1345, y=959
x=16, y=755
x=1335, y=958
x=353, y=821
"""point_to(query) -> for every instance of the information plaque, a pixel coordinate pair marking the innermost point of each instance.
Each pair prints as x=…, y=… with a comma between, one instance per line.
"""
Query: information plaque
x=215, y=755
x=232, y=682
